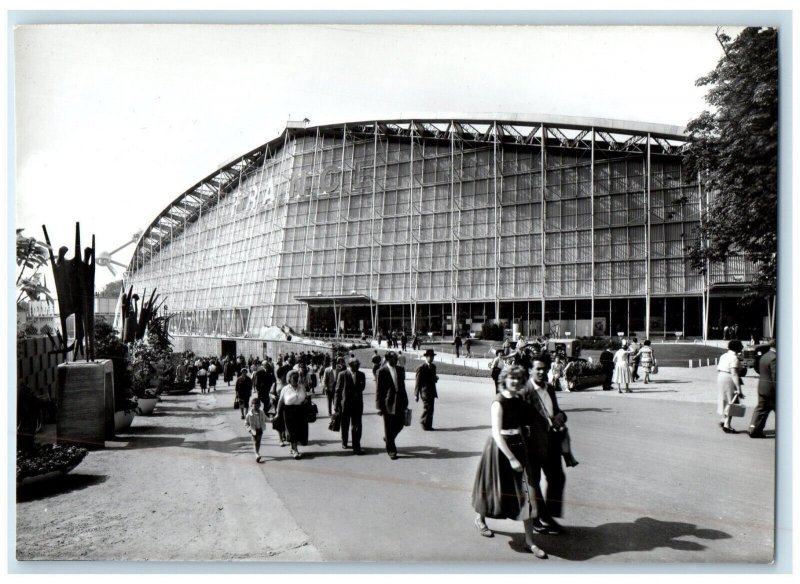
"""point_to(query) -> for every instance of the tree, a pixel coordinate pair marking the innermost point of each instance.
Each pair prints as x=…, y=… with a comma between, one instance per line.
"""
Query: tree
x=111, y=290
x=32, y=255
x=734, y=151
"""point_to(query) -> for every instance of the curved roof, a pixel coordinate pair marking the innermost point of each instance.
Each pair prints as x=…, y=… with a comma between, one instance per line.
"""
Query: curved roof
x=527, y=129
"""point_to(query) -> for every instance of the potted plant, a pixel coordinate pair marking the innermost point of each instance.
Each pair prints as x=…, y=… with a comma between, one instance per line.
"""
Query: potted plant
x=144, y=380
x=125, y=411
x=108, y=345
x=37, y=461
x=581, y=374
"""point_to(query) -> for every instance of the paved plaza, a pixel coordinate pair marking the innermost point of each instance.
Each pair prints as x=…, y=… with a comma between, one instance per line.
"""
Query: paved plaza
x=658, y=481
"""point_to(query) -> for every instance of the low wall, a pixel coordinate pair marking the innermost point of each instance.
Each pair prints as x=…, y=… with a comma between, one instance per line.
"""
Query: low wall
x=36, y=368
x=212, y=346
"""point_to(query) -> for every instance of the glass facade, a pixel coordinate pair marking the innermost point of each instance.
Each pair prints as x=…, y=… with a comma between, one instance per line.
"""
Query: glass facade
x=442, y=225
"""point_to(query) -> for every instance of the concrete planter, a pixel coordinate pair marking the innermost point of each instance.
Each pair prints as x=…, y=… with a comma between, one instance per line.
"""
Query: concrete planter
x=584, y=382
x=86, y=404
x=146, y=405
x=123, y=420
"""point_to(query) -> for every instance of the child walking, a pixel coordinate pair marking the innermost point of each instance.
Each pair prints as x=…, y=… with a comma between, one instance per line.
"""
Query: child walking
x=256, y=422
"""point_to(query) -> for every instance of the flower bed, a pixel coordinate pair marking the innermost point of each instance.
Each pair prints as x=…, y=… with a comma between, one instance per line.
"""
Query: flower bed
x=582, y=374
x=48, y=458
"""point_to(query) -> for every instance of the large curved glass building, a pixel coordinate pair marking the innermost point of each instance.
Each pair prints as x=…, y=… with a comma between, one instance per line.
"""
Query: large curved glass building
x=545, y=225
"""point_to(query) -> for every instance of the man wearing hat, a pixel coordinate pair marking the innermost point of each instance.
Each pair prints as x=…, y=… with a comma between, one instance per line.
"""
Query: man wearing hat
x=425, y=387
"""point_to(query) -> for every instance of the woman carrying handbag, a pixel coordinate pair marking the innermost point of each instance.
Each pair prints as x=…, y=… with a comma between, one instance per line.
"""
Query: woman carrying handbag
x=729, y=387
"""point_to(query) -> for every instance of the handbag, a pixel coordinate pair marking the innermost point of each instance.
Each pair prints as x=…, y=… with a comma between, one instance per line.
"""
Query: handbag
x=336, y=422
x=735, y=409
x=407, y=418
x=236, y=403
x=312, y=412
x=655, y=367
x=278, y=424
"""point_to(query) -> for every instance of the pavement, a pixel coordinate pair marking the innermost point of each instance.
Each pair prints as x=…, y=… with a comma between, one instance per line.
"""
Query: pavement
x=657, y=482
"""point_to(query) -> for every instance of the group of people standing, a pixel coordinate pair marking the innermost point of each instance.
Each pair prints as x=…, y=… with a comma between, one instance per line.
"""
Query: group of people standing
x=622, y=367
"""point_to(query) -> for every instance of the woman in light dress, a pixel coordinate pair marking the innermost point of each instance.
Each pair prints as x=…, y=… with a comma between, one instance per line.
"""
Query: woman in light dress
x=646, y=359
x=728, y=383
x=622, y=369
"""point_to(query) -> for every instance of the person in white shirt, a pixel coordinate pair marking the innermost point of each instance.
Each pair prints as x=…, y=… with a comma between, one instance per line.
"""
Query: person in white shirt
x=544, y=444
x=728, y=384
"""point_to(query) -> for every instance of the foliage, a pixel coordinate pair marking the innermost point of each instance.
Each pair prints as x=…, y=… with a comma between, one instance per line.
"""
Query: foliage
x=152, y=365
x=111, y=290
x=491, y=331
x=143, y=369
x=44, y=458
x=577, y=369
x=734, y=150
x=107, y=342
x=339, y=350
x=600, y=343
x=32, y=255
x=108, y=345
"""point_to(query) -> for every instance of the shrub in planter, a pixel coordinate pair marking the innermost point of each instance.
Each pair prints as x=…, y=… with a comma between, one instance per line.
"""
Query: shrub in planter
x=46, y=458
x=492, y=332
x=583, y=374
x=108, y=345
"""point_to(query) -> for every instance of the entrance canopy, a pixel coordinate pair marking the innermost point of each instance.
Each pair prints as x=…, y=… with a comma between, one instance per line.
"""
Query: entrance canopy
x=337, y=300
x=345, y=307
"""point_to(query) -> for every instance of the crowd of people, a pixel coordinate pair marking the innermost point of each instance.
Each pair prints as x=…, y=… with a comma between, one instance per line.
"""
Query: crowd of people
x=529, y=438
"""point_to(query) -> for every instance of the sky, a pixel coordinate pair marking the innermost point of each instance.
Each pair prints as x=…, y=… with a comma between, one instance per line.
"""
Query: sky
x=113, y=122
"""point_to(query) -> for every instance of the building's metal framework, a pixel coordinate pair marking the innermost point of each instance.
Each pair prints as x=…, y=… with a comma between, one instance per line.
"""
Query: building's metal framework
x=545, y=221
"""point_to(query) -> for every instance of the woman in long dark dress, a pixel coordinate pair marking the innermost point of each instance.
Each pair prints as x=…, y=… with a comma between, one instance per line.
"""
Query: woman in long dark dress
x=501, y=490
x=292, y=406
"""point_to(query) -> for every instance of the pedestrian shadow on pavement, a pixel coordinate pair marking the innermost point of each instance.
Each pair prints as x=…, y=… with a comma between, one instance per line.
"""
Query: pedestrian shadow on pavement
x=463, y=428
x=597, y=410
x=433, y=452
x=645, y=534
x=136, y=441
x=58, y=486
x=230, y=446
x=164, y=430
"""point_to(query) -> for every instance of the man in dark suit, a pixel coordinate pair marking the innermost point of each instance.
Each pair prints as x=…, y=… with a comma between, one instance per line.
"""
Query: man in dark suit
x=391, y=400
x=425, y=387
x=607, y=363
x=544, y=444
x=767, y=367
x=350, y=386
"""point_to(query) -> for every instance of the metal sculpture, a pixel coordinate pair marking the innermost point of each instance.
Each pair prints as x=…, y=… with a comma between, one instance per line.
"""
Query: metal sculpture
x=134, y=321
x=75, y=289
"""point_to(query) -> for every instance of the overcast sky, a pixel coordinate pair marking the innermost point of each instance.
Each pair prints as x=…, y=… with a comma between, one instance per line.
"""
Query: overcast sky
x=114, y=122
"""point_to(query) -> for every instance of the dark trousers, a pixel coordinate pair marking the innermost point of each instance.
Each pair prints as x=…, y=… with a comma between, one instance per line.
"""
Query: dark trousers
x=457, y=351
x=550, y=503
x=330, y=395
x=766, y=404
x=352, y=418
x=609, y=373
x=496, y=378
x=635, y=372
x=426, y=419
x=392, y=425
